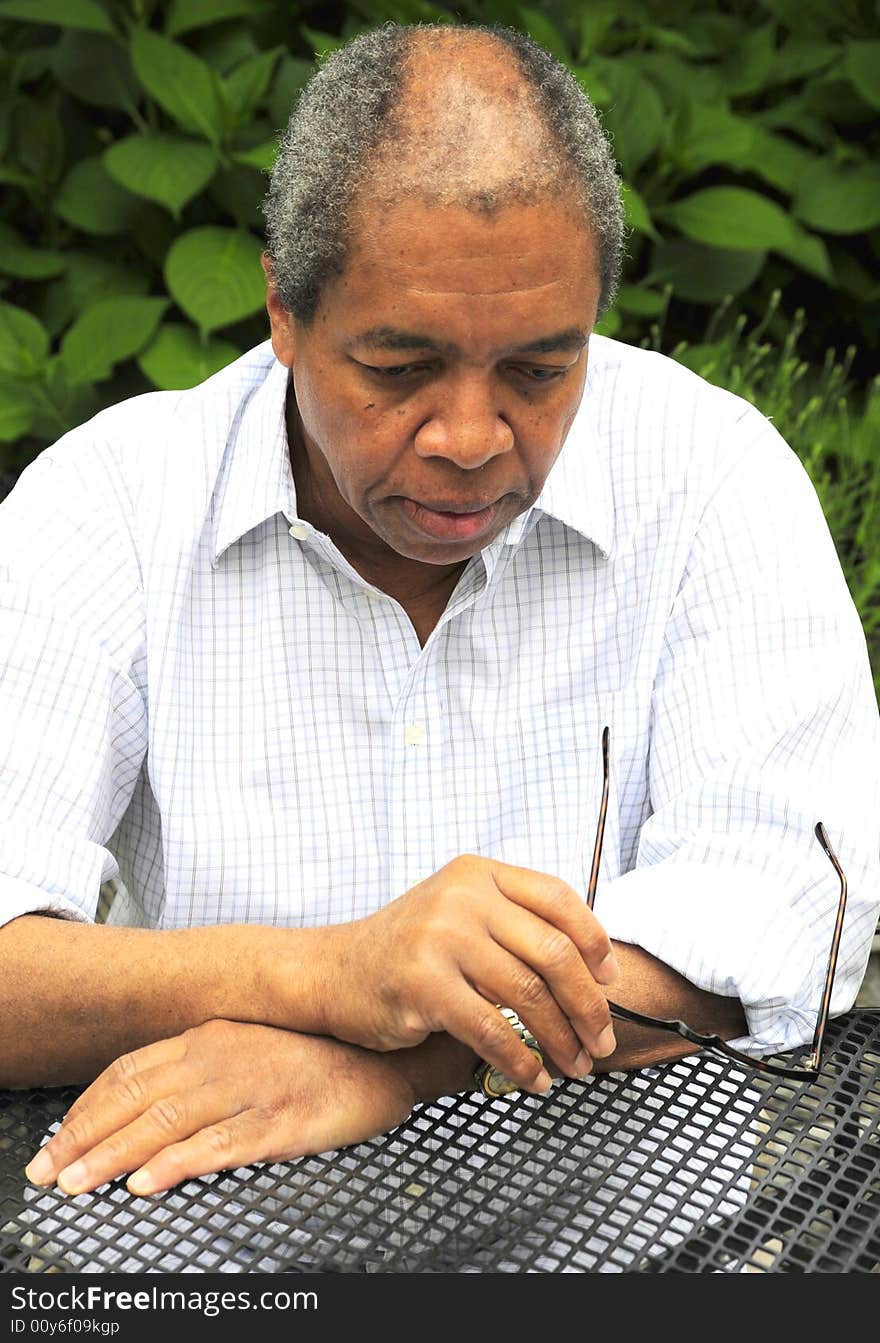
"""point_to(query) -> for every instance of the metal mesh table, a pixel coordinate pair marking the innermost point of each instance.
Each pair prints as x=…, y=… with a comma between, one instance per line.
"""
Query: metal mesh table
x=692, y=1167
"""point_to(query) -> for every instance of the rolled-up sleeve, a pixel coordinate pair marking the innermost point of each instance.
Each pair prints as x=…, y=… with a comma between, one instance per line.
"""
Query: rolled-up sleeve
x=764, y=721
x=72, y=689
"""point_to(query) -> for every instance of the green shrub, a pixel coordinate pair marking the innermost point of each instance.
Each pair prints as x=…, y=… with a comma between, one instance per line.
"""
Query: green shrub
x=135, y=137
x=831, y=425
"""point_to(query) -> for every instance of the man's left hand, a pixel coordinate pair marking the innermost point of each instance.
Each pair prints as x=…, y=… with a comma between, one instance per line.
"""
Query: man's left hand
x=221, y=1095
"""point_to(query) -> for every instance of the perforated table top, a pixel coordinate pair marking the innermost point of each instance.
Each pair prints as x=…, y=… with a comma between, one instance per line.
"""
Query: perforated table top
x=697, y=1166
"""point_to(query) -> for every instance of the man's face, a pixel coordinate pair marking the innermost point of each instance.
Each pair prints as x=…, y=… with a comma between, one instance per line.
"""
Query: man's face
x=439, y=377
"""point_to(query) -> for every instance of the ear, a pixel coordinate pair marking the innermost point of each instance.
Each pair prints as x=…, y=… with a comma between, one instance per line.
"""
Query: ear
x=280, y=320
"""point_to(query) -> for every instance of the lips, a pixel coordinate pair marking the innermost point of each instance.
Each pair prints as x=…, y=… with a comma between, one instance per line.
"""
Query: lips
x=445, y=520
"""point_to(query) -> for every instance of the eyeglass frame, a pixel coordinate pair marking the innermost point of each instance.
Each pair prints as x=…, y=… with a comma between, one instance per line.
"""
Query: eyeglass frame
x=714, y=1043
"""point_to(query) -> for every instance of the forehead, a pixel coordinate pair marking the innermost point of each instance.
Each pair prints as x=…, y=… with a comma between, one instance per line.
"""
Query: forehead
x=414, y=258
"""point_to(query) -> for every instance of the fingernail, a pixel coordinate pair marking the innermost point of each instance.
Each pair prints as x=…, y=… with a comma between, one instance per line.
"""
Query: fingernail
x=141, y=1182
x=606, y=1043
x=41, y=1168
x=543, y=1082
x=74, y=1178
x=608, y=970
x=583, y=1065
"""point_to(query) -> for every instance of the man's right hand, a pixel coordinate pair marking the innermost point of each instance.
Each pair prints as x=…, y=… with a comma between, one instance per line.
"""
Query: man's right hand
x=475, y=934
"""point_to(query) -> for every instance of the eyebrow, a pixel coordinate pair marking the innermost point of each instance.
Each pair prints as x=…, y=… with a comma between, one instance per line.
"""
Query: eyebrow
x=391, y=338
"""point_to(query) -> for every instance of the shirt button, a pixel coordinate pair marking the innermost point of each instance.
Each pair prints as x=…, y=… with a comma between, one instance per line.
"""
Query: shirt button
x=299, y=531
x=414, y=734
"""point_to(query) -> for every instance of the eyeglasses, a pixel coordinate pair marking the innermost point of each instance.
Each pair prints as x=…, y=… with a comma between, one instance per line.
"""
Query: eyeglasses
x=714, y=1043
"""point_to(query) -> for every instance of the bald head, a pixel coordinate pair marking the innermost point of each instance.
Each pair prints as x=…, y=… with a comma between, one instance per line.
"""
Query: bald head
x=447, y=114
x=467, y=128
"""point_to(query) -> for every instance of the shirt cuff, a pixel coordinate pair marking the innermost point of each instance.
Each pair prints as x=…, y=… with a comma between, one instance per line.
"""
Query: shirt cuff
x=20, y=897
x=732, y=933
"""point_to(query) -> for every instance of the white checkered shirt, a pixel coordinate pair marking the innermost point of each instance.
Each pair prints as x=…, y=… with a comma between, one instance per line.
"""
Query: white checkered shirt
x=201, y=697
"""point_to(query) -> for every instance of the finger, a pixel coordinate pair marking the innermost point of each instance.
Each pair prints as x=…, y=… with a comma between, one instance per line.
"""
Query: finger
x=560, y=904
x=476, y=1021
x=549, y=985
x=123, y=1091
x=171, y=1119
x=238, y=1140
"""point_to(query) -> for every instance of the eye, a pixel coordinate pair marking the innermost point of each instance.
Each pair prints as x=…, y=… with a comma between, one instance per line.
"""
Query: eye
x=393, y=370
x=539, y=373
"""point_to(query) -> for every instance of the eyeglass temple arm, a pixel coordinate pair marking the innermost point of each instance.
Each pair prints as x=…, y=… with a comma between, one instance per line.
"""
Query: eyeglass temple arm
x=677, y=1027
x=600, y=829
x=815, y=1054
x=811, y=1063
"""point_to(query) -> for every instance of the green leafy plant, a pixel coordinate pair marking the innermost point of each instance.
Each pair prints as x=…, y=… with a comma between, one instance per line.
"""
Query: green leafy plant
x=832, y=426
x=135, y=136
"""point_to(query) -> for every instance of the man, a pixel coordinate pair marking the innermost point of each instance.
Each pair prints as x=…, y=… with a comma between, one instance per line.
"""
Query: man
x=321, y=654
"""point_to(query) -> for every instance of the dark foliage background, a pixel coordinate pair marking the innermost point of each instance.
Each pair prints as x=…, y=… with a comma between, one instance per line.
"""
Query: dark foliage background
x=135, y=136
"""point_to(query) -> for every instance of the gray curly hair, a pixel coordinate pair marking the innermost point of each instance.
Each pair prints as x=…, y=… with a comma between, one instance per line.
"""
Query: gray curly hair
x=350, y=128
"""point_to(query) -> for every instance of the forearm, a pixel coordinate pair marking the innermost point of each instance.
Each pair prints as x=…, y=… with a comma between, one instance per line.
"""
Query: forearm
x=444, y=1066
x=75, y=996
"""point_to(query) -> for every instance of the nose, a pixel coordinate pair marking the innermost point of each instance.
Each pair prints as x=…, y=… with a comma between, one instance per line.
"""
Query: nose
x=466, y=424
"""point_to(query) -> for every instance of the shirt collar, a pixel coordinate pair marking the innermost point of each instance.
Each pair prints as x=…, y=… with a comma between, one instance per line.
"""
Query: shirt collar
x=256, y=478
x=577, y=491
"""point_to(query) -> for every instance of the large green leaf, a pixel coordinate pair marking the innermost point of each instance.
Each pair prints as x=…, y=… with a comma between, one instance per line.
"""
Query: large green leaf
x=591, y=82
x=226, y=47
x=184, y=15
x=640, y=301
x=14, y=177
x=743, y=221
x=713, y=31
x=163, y=167
x=244, y=88
x=262, y=156
x=542, y=29
x=24, y=344
x=852, y=276
x=679, y=83
x=216, y=277
x=700, y=274
x=177, y=357
x=322, y=44
x=749, y=66
x=39, y=136
x=635, y=115
x=97, y=70
x=106, y=334
x=239, y=191
x=291, y=75
x=832, y=99
x=799, y=57
x=182, y=83
x=87, y=279
x=862, y=65
x=610, y=324
x=17, y=408
x=668, y=39
x=595, y=19
x=840, y=200
x=28, y=65
x=85, y=14
x=778, y=160
x=92, y=201
x=708, y=135
x=28, y=263
x=636, y=211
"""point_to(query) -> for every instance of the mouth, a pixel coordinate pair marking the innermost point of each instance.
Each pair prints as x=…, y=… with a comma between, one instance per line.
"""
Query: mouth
x=447, y=521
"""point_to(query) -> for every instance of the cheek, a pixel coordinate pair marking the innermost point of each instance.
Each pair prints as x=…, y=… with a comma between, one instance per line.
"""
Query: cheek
x=330, y=420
